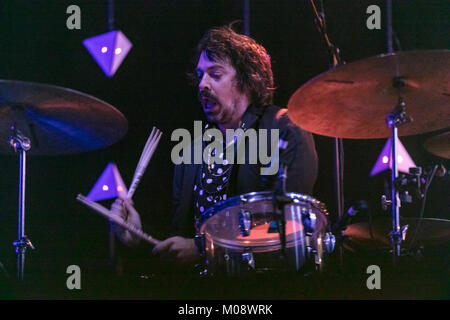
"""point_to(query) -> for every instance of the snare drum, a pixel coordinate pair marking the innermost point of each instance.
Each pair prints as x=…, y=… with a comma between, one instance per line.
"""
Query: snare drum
x=241, y=235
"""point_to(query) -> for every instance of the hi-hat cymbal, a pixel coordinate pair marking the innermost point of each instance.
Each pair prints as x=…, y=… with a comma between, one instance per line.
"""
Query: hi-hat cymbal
x=353, y=100
x=57, y=120
x=428, y=231
x=439, y=145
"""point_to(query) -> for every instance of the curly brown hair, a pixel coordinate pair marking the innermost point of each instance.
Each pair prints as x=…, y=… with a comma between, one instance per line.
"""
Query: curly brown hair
x=250, y=60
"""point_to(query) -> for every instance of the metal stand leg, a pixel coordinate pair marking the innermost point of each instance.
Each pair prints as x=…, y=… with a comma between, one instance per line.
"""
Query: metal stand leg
x=20, y=262
x=395, y=233
x=21, y=144
x=396, y=118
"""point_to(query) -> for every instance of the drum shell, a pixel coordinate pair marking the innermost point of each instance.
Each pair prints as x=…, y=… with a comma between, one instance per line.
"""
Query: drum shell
x=227, y=251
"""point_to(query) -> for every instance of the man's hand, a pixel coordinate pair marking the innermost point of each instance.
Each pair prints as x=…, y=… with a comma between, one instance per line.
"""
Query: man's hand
x=125, y=210
x=180, y=249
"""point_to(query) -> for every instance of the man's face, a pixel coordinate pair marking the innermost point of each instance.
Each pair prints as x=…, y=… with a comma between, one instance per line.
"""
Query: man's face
x=222, y=102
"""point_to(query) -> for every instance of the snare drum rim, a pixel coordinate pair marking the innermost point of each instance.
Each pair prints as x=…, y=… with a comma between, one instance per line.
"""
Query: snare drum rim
x=252, y=197
x=267, y=247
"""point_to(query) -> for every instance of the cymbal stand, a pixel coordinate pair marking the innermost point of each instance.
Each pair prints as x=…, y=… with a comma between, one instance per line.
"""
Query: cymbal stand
x=337, y=143
x=21, y=145
x=395, y=119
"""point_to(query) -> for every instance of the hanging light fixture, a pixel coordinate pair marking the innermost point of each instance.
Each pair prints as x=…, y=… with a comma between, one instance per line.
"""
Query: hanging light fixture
x=109, y=49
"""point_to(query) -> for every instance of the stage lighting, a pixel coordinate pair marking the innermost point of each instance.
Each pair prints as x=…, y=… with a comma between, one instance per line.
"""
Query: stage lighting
x=108, y=50
x=109, y=185
x=384, y=162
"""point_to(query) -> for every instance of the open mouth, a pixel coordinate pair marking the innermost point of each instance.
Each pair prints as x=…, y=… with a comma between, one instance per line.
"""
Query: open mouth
x=208, y=101
x=209, y=105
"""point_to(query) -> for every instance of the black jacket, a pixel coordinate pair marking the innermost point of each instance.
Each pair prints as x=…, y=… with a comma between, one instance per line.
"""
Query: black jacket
x=300, y=156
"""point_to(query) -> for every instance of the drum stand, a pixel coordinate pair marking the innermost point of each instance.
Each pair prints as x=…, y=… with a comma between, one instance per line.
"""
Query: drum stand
x=21, y=145
x=280, y=201
x=395, y=119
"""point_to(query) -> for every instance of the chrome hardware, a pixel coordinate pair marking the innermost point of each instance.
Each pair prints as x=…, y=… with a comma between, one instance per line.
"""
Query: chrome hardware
x=245, y=222
x=329, y=241
x=385, y=203
x=247, y=258
x=404, y=230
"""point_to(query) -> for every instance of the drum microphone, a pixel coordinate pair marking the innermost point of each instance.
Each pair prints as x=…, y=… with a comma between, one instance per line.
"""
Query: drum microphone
x=442, y=172
x=439, y=171
x=342, y=222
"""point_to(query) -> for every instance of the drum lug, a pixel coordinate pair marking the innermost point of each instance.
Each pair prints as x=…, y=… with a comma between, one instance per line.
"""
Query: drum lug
x=313, y=218
x=309, y=222
x=310, y=251
x=245, y=223
x=329, y=242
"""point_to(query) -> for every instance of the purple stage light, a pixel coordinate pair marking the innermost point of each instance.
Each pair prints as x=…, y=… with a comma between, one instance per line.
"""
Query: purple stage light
x=109, y=185
x=108, y=50
x=384, y=162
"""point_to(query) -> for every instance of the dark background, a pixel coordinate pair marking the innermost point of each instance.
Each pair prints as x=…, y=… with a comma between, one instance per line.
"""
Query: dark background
x=151, y=89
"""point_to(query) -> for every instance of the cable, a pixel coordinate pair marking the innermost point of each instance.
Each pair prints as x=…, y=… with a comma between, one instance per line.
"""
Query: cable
x=110, y=14
x=422, y=209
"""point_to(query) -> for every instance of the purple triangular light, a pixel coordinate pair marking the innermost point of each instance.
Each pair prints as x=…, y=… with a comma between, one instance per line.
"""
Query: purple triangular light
x=101, y=48
x=108, y=50
x=122, y=46
x=384, y=161
x=109, y=185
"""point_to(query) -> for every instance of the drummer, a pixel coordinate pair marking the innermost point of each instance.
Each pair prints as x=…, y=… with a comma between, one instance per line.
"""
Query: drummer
x=233, y=76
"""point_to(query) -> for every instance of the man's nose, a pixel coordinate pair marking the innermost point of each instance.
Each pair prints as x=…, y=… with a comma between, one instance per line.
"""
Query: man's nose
x=205, y=83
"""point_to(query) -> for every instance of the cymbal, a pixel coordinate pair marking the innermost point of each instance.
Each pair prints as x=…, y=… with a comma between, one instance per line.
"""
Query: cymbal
x=57, y=120
x=439, y=145
x=353, y=100
x=429, y=231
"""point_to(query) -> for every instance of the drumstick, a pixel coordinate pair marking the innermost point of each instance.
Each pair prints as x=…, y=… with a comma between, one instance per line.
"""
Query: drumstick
x=147, y=153
x=142, y=166
x=107, y=214
x=147, y=144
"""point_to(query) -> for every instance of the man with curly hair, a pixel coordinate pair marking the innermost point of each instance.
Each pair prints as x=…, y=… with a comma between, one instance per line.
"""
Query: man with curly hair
x=233, y=76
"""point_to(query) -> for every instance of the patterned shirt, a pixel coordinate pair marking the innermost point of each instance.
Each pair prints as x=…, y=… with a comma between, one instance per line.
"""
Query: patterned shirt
x=212, y=186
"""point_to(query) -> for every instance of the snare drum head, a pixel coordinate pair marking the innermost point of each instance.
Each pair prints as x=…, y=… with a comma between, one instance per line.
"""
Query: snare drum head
x=249, y=221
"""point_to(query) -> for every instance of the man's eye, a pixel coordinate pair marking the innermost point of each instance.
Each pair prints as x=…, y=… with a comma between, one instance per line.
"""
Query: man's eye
x=215, y=76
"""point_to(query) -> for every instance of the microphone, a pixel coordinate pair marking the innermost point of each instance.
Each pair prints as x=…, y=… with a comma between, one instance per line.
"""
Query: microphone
x=439, y=171
x=442, y=172
x=342, y=222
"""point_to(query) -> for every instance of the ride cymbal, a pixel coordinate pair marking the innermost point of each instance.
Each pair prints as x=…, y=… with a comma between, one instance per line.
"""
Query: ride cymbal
x=353, y=100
